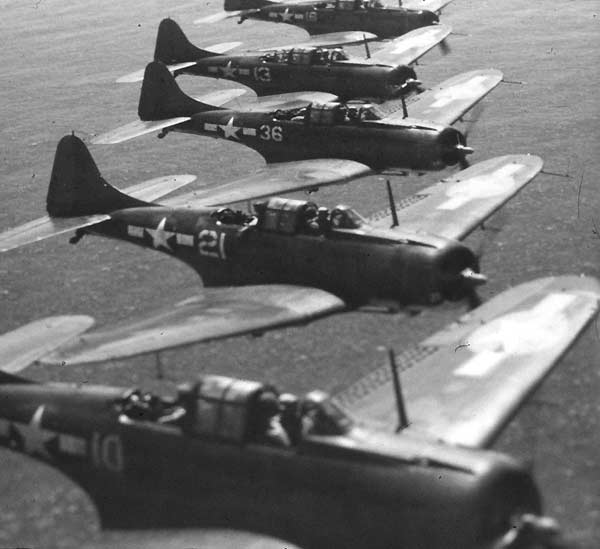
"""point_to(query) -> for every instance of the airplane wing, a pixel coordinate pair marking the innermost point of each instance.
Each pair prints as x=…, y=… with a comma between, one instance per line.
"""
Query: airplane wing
x=331, y=40
x=45, y=227
x=209, y=538
x=456, y=206
x=21, y=347
x=447, y=102
x=411, y=46
x=463, y=384
x=216, y=313
x=284, y=101
x=142, y=127
x=272, y=180
x=430, y=5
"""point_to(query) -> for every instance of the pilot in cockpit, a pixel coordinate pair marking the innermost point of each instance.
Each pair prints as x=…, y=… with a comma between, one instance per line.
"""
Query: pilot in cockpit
x=268, y=428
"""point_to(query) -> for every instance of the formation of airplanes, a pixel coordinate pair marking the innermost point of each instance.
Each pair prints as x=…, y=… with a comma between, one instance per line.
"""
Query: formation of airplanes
x=402, y=456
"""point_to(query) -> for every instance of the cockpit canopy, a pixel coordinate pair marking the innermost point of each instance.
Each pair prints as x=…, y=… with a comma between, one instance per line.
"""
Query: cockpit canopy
x=290, y=216
x=305, y=56
x=233, y=410
x=331, y=114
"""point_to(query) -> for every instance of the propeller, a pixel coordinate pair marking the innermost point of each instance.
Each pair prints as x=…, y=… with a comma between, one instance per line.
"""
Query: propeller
x=462, y=148
x=445, y=47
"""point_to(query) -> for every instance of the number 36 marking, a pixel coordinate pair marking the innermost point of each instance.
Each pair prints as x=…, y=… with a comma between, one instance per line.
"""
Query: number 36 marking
x=270, y=133
x=211, y=243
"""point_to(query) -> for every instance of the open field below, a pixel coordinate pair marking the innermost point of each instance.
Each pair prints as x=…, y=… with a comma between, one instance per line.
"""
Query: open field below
x=59, y=64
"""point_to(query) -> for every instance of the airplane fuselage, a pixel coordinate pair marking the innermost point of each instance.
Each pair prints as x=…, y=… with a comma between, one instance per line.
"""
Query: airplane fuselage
x=299, y=71
x=322, y=18
x=281, y=137
x=358, y=265
x=356, y=489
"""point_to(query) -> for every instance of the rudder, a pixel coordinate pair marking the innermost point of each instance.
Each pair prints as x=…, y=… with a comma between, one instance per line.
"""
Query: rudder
x=173, y=46
x=76, y=186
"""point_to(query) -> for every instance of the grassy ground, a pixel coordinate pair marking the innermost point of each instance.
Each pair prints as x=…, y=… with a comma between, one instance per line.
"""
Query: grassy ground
x=59, y=63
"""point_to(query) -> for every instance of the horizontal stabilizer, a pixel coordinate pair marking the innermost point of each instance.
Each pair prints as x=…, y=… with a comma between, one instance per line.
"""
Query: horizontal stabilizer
x=408, y=48
x=447, y=102
x=222, y=47
x=46, y=227
x=220, y=98
x=138, y=76
x=153, y=189
x=21, y=347
x=273, y=180
x=219, y=16
x=456, y=206
x=216, y=313
x=136, y=129
x=463, y=384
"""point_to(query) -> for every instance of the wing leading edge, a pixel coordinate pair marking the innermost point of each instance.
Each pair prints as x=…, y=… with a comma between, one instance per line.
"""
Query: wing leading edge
x=216, y=313
x=463, y=384
x=447, y=102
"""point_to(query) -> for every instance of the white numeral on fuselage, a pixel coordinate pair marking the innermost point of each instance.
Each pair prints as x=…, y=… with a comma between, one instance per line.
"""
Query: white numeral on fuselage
x=270, y=133
x=107, y=452
x=262, y=74
x=211, y=243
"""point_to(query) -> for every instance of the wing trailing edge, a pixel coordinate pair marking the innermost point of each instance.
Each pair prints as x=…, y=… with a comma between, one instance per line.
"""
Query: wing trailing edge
x=216, y=313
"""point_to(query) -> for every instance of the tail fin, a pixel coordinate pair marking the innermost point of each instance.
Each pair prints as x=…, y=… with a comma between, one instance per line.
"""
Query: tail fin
x=162, y=98
x=76, y=186
x=237, y=5
x=172, y=45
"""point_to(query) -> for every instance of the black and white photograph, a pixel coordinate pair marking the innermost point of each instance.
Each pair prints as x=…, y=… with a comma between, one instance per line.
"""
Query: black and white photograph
x=300, y=274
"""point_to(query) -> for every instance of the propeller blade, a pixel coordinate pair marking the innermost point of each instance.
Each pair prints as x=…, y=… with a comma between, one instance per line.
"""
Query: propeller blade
x=445, y=47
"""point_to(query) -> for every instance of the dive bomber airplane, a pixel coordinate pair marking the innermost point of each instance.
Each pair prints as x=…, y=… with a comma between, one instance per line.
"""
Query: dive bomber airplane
x=328, y=16
x=399, y=459
x=385, y=74
x=286, y=263
x=309, y=125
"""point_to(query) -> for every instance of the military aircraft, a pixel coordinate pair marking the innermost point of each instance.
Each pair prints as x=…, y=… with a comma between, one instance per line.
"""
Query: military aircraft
x=288, y=262
x=399, y=459
x=318, y=17
x=305, y=125
x=384, y=75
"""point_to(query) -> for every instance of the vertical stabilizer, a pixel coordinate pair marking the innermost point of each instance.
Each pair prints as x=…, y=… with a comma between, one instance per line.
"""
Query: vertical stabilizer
x=162, y=98
x=76, y=186
x=172, y=45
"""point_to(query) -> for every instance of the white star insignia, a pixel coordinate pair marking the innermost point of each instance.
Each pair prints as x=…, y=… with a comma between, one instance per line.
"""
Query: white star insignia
x=287, y=16
x=160, y=237
x=34, y=437
x=229, y=130
x=228, y=71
